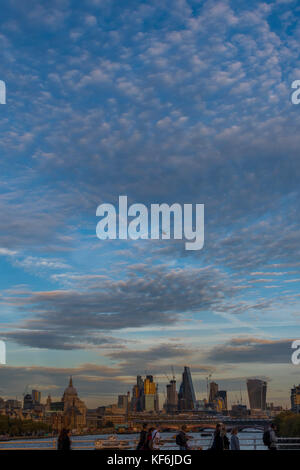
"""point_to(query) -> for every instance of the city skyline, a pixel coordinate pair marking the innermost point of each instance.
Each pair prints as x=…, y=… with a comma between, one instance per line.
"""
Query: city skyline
x=184, y=390
x=182, y=102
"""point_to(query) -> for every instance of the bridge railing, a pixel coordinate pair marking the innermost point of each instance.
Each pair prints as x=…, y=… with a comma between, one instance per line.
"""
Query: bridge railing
x=170, y=444
x=288, y=443
x=246, y=443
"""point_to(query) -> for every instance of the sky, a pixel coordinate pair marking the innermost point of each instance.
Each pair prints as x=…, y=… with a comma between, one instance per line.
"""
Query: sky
x=164, y=101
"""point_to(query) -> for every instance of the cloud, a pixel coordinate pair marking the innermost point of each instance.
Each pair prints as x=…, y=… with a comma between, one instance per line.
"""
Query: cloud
x=30, y=262
x=157, y=359
x=61, y=341
x=148, y=296
x=252, y=350
x=6, y=252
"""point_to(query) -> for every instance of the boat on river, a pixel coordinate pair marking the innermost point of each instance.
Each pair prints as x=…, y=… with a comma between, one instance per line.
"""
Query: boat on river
x=112, y=443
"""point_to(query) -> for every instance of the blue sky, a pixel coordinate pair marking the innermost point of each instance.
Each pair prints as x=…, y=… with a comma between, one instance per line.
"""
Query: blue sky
x=182, y=101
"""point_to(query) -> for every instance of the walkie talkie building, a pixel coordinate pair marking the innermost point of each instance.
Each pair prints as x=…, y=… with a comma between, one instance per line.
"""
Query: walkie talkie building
x=257, y=392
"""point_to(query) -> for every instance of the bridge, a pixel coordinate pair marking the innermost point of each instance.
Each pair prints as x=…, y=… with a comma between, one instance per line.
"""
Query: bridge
x=202, y=424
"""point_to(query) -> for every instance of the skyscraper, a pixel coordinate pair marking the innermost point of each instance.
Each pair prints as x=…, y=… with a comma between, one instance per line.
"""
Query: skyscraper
x=149, y=395
x=28, y=402
x=223, y=394
x=257, y=392
x=36, y=396
x=172, y=397
x=123, y=401
x=145, y=395
x=295, y=399
x=137, y=395
x=217, y=398
x=186, y=395
x=213, y=391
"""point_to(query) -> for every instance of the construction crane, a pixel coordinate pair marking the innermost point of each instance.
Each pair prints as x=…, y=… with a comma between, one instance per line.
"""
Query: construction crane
x=168, y=378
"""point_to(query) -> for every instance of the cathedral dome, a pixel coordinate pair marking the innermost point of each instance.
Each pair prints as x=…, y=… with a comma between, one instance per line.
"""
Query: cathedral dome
x=70, y=390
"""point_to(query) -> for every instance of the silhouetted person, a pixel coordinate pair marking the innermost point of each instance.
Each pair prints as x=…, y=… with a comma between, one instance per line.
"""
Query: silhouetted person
x=143, y=438
x=156, y=438
x=269, y=437
x=149, y=441
x=64, y=442
x=273, y=438
x=218, y=443
x=224, y=437
x=234, y=440
x=182, y=439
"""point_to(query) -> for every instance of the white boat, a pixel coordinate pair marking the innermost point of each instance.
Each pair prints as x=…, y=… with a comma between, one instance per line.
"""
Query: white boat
x=112, y=443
